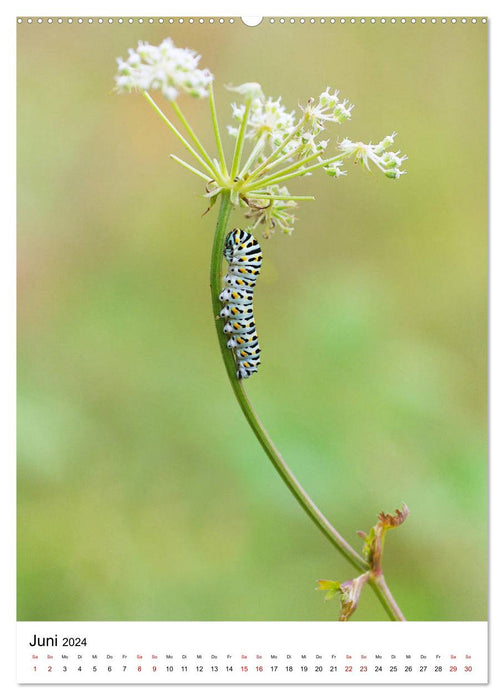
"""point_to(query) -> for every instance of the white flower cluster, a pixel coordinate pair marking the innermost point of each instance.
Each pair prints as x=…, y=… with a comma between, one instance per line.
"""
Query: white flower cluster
x=266, y=117
x=166, y=68
x=284, y=144
x=389, y=162
x=328, y=108
x=275, y=214
x=334, y=169
x=307, y=145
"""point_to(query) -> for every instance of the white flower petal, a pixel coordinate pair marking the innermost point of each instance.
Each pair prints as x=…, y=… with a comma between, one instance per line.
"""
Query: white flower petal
x=166, y=68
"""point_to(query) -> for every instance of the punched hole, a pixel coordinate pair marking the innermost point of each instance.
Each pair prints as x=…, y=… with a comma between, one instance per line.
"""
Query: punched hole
x=251, y=21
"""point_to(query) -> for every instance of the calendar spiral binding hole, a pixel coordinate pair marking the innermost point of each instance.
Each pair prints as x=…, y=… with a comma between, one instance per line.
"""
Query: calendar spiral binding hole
x=219, y=21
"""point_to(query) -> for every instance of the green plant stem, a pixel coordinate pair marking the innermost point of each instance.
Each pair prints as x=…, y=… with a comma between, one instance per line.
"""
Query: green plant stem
x=278, y=161
x=240, y=140
x=199, y=146
x=377, y=582
x=215, y=123
x=189, y=167
x=293, y=166
x=265, y=165
x=379, y=585
x=291, y=171
x=177, y=133
x=253, y=154
x=281, y=197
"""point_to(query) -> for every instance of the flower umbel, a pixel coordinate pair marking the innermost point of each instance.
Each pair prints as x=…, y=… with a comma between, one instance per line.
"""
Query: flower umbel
x=328, y=108
x=272, y=144
x=274, y=213
x=164, y=67
x=267, y=117
x=388, y=162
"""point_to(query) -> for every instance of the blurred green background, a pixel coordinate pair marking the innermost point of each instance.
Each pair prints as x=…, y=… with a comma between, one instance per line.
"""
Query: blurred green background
x=142, y=493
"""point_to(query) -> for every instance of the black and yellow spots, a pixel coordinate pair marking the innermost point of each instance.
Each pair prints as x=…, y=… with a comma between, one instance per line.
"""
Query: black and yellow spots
x=244, y=256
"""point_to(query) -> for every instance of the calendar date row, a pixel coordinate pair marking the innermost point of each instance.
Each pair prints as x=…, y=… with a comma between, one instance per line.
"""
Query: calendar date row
x=124, y=668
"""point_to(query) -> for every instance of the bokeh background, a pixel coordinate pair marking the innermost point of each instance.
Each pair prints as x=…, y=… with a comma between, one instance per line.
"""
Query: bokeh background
x=142, y=493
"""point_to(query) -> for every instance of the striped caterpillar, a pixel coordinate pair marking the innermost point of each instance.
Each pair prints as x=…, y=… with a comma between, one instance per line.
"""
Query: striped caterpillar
x=243, y=253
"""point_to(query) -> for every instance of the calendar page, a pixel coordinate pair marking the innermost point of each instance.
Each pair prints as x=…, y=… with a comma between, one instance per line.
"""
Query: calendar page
x=252, y=349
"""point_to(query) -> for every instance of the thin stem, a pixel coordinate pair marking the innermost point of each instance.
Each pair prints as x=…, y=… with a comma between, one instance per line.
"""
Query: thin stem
x=379, y=585
x=253, y=155
x=288, y=197
x=266, y=164
x=240, y=140
x=284, y=171
x=218, y=141
x=277, y=161
x=190, y=167
x=291, y=171
x=285, y=156
x=194, y=138
x=179, y=136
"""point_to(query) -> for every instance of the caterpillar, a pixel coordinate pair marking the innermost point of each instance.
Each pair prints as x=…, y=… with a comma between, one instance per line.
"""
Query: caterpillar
x=244, y=257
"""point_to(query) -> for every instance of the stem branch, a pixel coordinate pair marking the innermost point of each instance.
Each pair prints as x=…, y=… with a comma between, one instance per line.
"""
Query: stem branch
x=199, y=146
x=293, y=171
x=190, y=167
x=265, y=165
x=386, y=598
x=177, y=133
x=215, y=123
x=240, y=140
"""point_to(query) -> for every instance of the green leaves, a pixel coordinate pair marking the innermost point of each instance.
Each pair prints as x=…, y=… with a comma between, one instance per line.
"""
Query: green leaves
x=349, y=593
x=330, y=587
x=372, y=550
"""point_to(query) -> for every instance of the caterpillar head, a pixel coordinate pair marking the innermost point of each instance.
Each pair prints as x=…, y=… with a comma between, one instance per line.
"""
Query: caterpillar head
x=230, y=244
